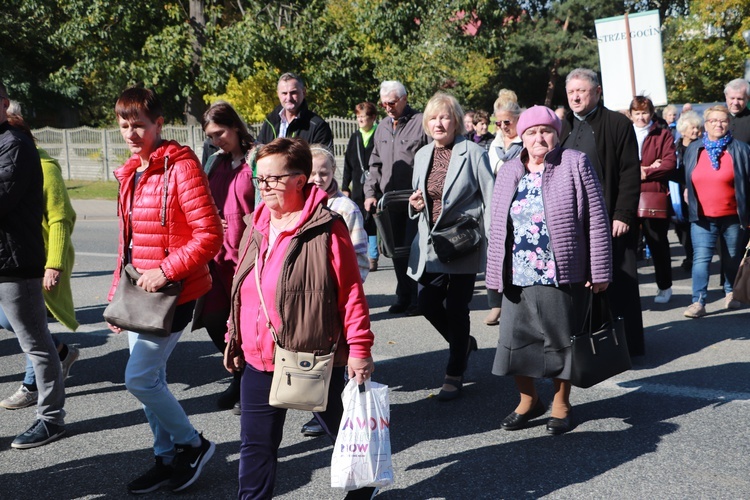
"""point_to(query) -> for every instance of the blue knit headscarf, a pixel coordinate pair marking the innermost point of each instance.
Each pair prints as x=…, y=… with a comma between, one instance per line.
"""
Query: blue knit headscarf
x=715, y=148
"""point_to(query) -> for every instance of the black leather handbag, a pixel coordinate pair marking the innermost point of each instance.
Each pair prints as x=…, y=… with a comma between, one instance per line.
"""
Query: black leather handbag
x=600, y=351
x=457, y=240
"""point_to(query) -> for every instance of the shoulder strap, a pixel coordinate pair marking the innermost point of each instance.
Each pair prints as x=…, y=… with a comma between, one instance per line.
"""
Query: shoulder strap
x=269, y=325
x=263, y=302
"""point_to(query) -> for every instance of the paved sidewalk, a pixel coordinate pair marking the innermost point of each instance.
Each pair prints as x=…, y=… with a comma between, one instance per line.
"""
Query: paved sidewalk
x=95, y=209
x=673, y=428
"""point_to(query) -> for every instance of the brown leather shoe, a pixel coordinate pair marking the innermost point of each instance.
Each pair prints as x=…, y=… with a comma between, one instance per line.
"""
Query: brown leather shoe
x=373, y=265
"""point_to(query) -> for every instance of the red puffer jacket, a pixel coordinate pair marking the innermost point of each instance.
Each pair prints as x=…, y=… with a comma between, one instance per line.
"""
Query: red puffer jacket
x=192, y=234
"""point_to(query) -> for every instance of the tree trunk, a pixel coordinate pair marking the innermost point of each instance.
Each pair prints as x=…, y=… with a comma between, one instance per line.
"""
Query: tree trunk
x=553, y=72
x=195, y=105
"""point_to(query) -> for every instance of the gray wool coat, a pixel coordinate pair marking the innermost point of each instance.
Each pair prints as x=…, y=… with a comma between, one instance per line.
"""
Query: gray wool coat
x=467, y=191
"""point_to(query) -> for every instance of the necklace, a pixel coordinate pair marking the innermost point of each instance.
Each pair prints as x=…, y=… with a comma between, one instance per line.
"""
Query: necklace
x=292, y=217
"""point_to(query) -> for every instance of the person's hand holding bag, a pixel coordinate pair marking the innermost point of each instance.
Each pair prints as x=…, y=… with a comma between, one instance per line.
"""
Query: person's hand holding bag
x=360, y=369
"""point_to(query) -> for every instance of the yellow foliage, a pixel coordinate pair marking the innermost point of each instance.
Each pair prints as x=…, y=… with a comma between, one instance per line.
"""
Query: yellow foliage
x=254, y=97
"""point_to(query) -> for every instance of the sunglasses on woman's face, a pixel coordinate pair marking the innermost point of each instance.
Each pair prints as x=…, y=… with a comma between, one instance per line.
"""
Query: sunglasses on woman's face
x=503, y=122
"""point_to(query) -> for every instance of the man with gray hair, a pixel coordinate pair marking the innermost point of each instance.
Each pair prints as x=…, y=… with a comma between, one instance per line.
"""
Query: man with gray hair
x=292, y=118
x=609, y=141
x=397, y=139
x=22, y=261
x=736, y=93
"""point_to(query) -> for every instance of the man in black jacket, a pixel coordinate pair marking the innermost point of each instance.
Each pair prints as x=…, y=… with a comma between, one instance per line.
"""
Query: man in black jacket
x=292, y=118
x=736, y=93
x=22, y=261
x=608, y=139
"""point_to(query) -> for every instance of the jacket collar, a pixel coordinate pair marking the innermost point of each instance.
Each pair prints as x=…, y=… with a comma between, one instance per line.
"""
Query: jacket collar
x=551, y=159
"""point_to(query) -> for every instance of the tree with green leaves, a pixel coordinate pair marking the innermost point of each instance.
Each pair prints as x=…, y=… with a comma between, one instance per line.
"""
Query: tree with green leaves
x=705, y=50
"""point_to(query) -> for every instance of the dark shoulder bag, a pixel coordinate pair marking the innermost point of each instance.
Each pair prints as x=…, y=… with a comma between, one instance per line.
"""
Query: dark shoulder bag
x=457, y=239
x=600, y=351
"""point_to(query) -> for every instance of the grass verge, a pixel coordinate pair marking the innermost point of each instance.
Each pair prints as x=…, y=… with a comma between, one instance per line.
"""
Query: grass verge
x=92, y=190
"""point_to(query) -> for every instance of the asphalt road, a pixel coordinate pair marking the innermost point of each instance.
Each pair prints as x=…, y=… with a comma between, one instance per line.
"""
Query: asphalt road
x=674, y=427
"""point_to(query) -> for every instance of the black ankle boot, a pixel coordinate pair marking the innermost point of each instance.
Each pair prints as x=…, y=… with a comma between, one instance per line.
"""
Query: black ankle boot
x=230, y=396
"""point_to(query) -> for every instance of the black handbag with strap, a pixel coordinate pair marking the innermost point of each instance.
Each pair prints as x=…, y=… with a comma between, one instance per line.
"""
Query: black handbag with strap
x=600, y=351
x=457, y=240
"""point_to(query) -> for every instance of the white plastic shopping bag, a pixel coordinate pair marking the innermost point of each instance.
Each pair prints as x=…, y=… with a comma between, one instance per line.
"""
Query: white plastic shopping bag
x=362, y=454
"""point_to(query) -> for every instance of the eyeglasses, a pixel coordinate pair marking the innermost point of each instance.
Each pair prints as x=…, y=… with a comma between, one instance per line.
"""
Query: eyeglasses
x=503, y=122
x=716, y=121
x=390, y=104
x=270, y=180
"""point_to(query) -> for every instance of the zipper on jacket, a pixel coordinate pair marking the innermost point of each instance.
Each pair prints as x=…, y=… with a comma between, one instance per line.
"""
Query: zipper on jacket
x=549, y=232
x=258, y=319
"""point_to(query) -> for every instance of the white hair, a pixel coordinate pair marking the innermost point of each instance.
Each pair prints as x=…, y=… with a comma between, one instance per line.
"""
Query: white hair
x=738, y=84
x=390, y=86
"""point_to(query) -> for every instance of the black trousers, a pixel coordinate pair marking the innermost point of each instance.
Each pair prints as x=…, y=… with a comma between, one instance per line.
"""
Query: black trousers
x=624, y=296
x=444, y=301
x=655, y=232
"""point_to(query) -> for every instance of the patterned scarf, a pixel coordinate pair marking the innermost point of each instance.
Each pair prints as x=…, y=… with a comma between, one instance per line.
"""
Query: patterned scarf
x=715, y=148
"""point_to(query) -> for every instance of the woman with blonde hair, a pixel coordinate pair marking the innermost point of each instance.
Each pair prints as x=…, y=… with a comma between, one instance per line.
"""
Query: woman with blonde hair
x=506, y=146
x=324, y=176
x=452, y=179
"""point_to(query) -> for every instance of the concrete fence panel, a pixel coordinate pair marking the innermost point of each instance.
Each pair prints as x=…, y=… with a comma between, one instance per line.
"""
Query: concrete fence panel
x=87, y=153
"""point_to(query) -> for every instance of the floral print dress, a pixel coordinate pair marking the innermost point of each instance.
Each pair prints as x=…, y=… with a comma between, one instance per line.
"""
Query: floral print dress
x=533, y=261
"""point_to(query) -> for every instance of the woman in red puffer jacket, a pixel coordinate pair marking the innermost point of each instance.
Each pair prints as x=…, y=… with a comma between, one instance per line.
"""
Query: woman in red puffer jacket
x=169, y=230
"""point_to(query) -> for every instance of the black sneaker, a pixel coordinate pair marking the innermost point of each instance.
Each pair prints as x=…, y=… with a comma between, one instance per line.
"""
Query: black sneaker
x=189, y=462
x=156, y=477
x=38, y=434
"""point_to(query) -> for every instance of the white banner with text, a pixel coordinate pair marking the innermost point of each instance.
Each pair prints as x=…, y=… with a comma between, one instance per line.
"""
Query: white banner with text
x=648, y=63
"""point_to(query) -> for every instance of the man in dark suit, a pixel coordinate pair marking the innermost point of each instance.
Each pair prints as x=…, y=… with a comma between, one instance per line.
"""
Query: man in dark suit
x=608, y=139
x=736, y=93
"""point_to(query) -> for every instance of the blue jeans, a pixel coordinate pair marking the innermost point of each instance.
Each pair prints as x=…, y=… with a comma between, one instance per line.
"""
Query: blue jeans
x=705, y=233
x=146, y=379
x=372, y=247
x=23, y=305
